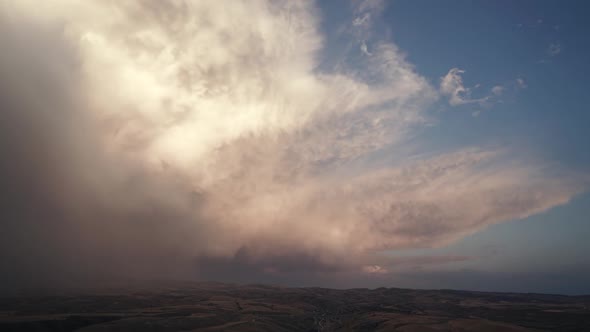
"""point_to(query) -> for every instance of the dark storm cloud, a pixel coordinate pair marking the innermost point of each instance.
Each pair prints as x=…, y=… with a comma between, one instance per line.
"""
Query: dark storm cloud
x=68, y=211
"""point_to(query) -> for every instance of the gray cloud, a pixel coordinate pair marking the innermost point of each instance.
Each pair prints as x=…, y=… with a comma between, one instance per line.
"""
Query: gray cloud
x=149, y=139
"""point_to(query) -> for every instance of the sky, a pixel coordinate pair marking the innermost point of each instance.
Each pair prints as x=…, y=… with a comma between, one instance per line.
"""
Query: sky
x=420, y=144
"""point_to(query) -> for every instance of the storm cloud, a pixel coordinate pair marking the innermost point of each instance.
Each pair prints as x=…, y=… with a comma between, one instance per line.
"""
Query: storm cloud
x=154, y=139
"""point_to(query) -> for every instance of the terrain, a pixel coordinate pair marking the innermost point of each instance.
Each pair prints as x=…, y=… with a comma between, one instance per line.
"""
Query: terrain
x=227, y=307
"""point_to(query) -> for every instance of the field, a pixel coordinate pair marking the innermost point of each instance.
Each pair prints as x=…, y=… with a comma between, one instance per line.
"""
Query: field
x=226, y=307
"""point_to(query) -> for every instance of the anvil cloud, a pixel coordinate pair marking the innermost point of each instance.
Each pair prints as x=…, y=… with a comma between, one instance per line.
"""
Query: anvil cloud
x=148, y=136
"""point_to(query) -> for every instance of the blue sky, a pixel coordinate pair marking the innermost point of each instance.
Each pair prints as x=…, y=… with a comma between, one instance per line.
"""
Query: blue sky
x=544, y=44
x=496, y=42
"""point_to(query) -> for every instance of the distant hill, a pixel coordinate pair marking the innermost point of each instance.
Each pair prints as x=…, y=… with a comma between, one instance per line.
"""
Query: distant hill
x=225, y=307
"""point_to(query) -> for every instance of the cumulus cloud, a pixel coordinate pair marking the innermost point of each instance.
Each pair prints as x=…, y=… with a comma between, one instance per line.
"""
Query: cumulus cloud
x=149, y=136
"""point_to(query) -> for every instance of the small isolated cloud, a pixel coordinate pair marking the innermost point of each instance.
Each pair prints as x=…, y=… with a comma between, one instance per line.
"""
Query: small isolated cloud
x=365, y=49
x=498, y=90
x=363, y=20
x=374, y=269
x=554, y=49
x=521, y=83
x=451, y=85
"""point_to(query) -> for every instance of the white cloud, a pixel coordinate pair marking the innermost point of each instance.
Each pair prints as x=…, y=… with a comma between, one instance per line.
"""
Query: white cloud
x=362, y=20
x=364, y=49
x=374, y=269
x=498, y=90
x=259, y=145
x=451, y=85
x=370, y=6
x=365, y=13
